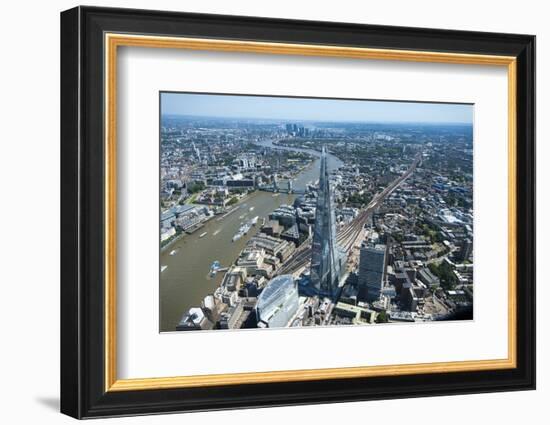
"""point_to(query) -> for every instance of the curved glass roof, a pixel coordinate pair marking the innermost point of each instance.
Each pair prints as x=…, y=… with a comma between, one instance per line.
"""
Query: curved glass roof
x=276, y=288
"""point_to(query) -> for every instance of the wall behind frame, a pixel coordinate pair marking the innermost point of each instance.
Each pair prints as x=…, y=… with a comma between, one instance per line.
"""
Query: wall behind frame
x=29, y=176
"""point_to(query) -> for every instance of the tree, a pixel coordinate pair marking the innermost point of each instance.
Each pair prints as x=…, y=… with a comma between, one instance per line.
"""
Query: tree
x=398, y=237
x=195, y=187
x=356, y=198
x=382, y=317
x=232, y=201
x=445, y=273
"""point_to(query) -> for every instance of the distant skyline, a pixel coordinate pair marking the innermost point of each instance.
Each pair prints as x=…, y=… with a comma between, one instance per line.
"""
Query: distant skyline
x=311, y=109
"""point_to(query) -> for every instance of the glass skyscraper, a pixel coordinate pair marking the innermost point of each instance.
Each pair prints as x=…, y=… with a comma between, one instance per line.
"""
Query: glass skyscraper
x=326, y=257
x=372, y=264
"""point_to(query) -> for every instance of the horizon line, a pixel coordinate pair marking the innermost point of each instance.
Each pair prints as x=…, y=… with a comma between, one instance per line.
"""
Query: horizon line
x=318, y=121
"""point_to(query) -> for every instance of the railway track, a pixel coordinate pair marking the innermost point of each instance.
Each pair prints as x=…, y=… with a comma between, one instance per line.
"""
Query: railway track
x=350, y=235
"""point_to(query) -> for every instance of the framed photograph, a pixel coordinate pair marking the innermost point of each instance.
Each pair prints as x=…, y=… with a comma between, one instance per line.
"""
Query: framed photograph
x=261, y=212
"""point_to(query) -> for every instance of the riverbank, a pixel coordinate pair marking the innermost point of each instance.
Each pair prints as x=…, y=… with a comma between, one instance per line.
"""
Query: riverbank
x=186, y=281
x=171, y=242
x=179, y=236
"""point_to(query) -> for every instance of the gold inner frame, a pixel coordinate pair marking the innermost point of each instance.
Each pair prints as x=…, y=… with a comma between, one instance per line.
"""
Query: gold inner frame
x=113, y=41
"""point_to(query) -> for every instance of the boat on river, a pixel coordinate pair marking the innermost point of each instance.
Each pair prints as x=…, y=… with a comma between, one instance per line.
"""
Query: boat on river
x=202, y=235
x=214, y=268
x=245, y=228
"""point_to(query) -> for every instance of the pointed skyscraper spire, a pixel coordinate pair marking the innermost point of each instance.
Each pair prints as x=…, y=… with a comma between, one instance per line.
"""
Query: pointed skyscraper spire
x=326, y=258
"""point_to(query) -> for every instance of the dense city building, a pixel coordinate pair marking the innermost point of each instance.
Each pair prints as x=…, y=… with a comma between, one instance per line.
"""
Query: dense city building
x=285, y=224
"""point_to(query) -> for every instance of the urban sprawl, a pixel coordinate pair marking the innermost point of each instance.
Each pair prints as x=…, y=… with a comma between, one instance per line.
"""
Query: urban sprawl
x=385, y=237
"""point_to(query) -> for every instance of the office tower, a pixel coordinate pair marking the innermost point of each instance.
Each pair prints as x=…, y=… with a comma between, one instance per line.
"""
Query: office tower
x=466, y=249
x=372, y=262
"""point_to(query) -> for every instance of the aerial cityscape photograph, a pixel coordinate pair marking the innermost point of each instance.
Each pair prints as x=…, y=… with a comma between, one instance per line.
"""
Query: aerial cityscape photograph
x=282, y=212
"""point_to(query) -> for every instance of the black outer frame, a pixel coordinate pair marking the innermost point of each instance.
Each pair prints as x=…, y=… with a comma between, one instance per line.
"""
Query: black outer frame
x=82, y=206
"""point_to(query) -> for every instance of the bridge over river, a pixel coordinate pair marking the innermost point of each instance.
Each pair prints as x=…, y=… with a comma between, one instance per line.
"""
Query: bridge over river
x=185, y=280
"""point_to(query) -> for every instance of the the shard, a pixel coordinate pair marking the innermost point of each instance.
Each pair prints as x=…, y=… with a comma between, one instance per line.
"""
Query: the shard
x=326, y=257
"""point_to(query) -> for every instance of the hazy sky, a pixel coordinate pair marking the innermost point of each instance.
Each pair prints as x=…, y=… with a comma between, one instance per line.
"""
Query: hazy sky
x=295, y=109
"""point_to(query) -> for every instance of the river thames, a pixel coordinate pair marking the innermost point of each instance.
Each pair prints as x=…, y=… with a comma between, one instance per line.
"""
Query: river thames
x=186, y=281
